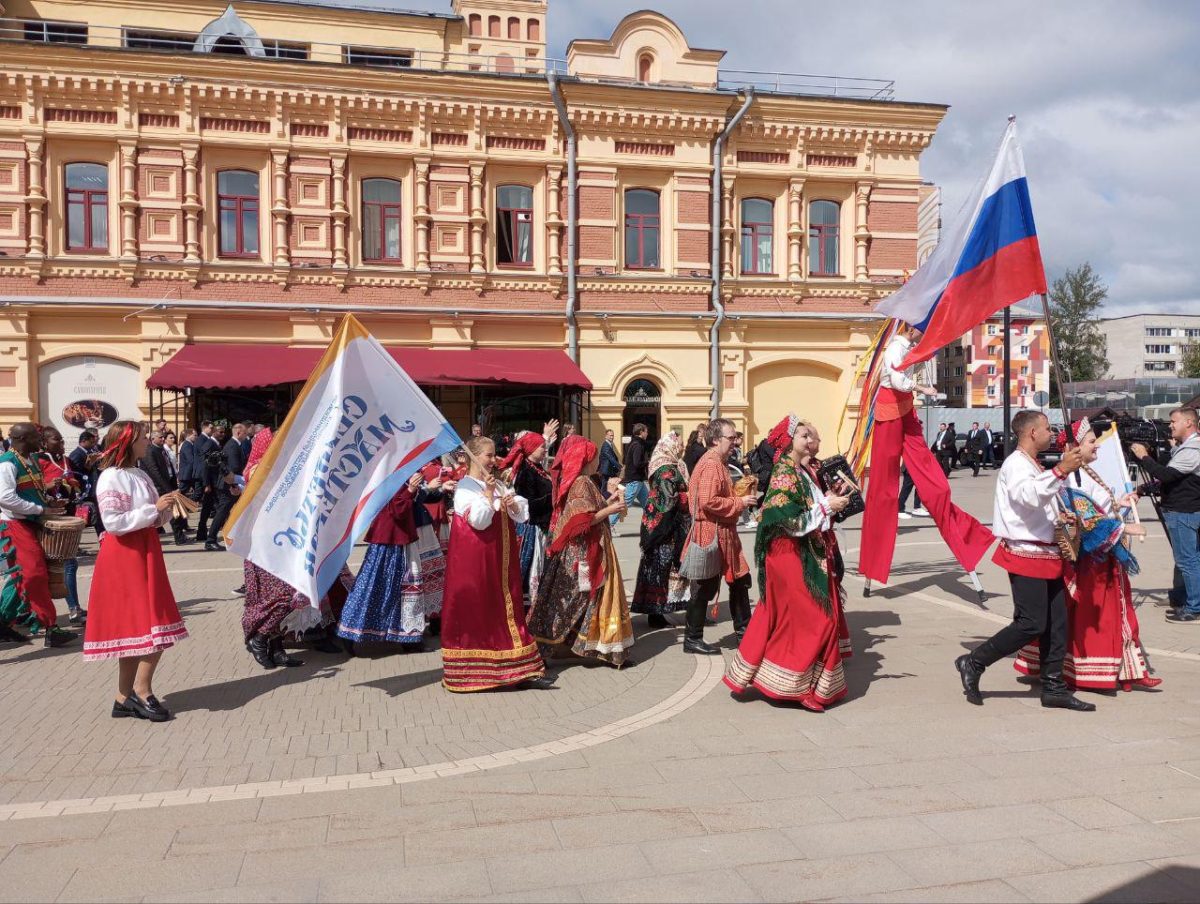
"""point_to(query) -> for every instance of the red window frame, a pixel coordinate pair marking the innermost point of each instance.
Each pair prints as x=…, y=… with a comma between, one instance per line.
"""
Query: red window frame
x=240, y=205
x=755, y=230
x=387, y=210
x=513, y=214
x=642, y=222
x=88, y=198
x=822, y=232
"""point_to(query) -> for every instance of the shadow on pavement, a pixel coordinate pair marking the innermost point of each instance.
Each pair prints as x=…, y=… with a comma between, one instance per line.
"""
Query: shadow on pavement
x=396, y=685
x=231, y=695
x=950, y=581
x=1166, y=883
x=863, y=667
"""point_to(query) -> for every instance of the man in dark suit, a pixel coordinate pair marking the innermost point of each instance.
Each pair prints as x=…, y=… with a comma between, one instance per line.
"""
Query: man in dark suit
x=989, y=453
x=937, y=447
x=610, y=461
x=156, y=463
x=233, y=462
x=84, y=459
x=974, y=450
x=191, y=466
x=208, y=442
x=949, y=448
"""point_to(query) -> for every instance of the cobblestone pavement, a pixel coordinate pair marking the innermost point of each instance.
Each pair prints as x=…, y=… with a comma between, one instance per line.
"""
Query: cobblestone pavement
x=364, y=780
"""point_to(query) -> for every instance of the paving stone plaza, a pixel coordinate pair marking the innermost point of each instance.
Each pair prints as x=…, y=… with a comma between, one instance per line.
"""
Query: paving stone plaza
x=362, y=779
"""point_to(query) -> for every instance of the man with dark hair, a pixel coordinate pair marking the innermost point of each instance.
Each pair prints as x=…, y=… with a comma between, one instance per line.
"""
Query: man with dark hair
x=637, y=466
x=715, y=511
x=213, y=463
x=1026, y=511
x=156, y=464
x=25, y=582
x=610, y=461
x=697, y=445
x=232, y=463
x=1179, y=483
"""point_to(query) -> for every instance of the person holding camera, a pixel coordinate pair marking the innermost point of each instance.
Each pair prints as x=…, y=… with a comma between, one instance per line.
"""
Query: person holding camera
x=1178, y=482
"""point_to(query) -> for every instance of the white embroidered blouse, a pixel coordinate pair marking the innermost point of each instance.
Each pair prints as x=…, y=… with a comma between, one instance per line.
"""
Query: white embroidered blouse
x=126, y=497
x=470, y=503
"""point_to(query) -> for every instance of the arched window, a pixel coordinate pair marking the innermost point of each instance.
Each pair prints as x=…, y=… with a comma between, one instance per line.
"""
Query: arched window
x=533, y=30
x=823, y=238
x=642, y=229
x=476, y=25
x=493, y=26
x=758, y=236
x=87, y=208
x=514, y=226
x=381, y=220
x=645, y=65
x=237, y=219
x=514, y=28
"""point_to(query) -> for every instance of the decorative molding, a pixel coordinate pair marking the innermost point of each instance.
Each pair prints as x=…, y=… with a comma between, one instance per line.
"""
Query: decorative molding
x=513, y=143
x=644, y=149
x=7, y=112
x=158, y=120
x=93, y=117
x=362, y=133
x=216, y=124
x=776, y=158
x=449, y=139
x=831, y=160
x=309, y=130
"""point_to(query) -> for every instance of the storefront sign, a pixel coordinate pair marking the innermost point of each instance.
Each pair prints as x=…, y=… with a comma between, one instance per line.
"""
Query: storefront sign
x=87, y=391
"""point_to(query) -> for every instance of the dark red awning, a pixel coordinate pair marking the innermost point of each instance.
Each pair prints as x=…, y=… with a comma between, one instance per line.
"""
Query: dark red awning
x=236, y=366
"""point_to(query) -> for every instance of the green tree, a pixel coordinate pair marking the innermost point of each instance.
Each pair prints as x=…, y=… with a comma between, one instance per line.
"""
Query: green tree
x=1189, y=361
x=1075, y=301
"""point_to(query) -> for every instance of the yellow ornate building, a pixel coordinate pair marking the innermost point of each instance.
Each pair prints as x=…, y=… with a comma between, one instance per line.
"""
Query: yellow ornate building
x=179, y=172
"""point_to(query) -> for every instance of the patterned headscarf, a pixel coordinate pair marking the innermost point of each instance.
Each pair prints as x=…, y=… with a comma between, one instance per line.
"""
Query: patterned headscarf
x=528, y=443
x=781, y=437
x=668, y=451
x=258, y=449
x=574, y=452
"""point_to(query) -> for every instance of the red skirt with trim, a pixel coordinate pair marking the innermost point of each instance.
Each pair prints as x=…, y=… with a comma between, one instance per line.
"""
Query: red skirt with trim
x=131, y=608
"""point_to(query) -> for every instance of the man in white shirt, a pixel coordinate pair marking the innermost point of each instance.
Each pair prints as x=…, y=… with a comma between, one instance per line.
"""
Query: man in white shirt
x=897, y=434
x=1026, y=510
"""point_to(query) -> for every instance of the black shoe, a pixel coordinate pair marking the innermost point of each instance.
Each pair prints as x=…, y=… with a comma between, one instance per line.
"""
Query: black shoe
x=699, y=647
x=418, y=647
x=324, y=645
x=57, y=637
x=970, y=673
x=213, y=546
x=1183, y=617
x=9, y=634
x=739, y=633
x=434, y=628
x=350, y=648
x=77, y=616
x=122, y=711
x=280, y=656
x=540, y=683
x=240, y=591
x=655, y=621
x=149, y=708
x=1056, y=695
x=181, y=540
x=260, y=649
x=201, y=537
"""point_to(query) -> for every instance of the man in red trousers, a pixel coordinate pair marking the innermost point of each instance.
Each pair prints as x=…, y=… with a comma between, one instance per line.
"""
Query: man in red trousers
x=897, y=435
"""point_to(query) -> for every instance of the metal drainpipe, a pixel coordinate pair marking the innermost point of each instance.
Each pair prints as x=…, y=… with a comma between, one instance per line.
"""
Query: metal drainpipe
x=572, y=215
x=714, y=336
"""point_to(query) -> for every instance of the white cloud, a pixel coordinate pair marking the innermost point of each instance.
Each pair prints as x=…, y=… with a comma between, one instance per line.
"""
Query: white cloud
x=1107, y=94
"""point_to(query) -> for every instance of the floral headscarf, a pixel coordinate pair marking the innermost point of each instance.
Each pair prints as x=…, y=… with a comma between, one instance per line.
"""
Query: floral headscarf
x=668, y=451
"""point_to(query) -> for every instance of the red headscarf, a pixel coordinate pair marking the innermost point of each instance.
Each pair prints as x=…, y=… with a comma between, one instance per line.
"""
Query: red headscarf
x=258, y=448
x=520, y=452
x=781, y=437
x=1080, y=429
x=574, y=452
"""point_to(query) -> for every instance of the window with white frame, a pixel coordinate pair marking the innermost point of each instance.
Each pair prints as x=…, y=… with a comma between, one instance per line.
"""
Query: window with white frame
x=1160, y=349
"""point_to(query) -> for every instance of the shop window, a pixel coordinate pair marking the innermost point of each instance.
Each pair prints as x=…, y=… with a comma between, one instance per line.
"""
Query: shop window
x=514, y=226
x=823, y=238
x=758, y=236
x=87, y=208
x=381, y=220
x=237, y=213
x=642, y=229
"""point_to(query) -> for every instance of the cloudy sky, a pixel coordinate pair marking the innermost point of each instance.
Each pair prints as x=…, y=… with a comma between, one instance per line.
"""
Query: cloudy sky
x=1107, y=96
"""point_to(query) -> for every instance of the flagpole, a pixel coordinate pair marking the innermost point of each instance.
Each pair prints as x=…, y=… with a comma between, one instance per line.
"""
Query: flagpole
x=1007, y=381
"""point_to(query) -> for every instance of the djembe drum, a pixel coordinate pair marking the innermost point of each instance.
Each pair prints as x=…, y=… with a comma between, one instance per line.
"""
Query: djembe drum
x=60, y=536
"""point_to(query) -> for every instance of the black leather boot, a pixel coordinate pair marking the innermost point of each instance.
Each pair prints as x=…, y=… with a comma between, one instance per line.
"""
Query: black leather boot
x=1056, y=695
x=970, y=673
x=260, y=649
x=693, y=638
x=280, y=656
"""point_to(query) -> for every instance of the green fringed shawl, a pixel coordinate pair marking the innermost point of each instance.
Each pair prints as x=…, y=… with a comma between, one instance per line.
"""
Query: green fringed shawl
x=786, y=510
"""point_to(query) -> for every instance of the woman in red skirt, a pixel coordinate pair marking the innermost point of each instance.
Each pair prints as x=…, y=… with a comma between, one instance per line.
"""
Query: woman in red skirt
x=797, y=637
x=132, y=616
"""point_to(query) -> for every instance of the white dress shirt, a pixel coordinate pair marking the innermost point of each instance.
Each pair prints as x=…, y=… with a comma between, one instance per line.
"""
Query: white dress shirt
x=12, y=506
x=892, y=377
x=1026, y=508
x=470, y=503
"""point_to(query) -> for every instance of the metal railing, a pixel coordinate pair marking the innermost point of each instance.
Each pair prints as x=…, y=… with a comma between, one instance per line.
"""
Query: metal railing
x=159, y=40
x=814, y=85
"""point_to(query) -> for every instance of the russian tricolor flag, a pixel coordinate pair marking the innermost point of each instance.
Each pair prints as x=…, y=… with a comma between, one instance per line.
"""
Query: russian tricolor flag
x=984, y=263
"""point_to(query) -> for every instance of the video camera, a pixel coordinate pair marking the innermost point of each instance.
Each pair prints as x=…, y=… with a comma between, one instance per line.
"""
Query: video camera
x=1154, y=435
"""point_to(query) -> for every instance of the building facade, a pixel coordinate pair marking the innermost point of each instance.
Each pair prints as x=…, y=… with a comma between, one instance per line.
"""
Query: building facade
x=1148, y=345
x=971, y=371
x=177, y=173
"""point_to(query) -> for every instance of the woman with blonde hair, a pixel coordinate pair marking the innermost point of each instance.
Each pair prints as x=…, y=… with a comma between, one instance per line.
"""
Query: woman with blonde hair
x=132, y=614
x=666, y=522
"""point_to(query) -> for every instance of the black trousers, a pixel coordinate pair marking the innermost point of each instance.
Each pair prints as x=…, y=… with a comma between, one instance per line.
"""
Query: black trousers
x=208, y=505
x=1040, y=614
x=706, y=591
x=225, y=501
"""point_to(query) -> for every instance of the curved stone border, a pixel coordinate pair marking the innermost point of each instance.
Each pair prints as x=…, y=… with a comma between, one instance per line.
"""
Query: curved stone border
x=707, y=675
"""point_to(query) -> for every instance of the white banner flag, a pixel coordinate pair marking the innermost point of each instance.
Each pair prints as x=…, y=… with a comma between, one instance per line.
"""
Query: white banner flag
x=358, y=431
